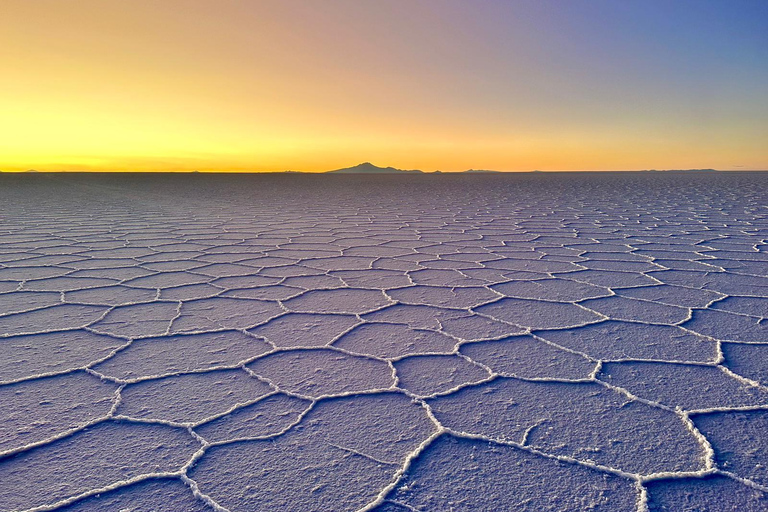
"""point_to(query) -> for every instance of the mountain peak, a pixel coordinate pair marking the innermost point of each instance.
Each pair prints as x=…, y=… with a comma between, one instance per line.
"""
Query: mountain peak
x=369, y=168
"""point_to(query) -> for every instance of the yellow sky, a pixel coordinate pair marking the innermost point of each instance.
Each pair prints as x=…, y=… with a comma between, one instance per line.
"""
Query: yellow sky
x=275, y=85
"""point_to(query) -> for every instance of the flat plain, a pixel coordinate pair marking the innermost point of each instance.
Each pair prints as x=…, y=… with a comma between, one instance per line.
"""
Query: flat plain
x=563, y=342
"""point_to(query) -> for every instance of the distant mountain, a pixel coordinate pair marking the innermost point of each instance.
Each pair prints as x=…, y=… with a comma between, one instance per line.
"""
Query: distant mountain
x=683, y=170
x=478, y=171
x=369, y=168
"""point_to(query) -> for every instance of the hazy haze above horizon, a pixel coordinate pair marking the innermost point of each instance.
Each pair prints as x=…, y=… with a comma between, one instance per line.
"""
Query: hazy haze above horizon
x=312, y=86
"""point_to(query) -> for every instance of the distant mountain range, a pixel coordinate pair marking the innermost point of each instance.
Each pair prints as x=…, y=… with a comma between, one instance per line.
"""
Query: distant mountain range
x=369, y=168
x=682, y=170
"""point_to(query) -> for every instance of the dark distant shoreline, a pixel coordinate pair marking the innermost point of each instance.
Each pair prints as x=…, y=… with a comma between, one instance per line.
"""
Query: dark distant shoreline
x=398, y=174
x=367, y=168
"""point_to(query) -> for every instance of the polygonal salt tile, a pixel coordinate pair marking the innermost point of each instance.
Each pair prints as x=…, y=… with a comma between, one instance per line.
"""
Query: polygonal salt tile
x=614, y=340
x=10, y=256
x=377, y=252
x=312, y=252
x=305, y=329
x=537, y=314
x=373, y=279
x=753, y=306
x=317, y=282
x=167, y=280
x=55, y=318
x=473, y=257
x=171, y=256
x=140, y=320
x=189, y=292
x=191, y=397
x=18, y=302
x=610, y=279
x=722, y=282
x=496, y=276
x=679, y=264
x=170, y=249
x=417, y=317
x=173, y=266
x=472, y=327
x=525, y=356
x=672, y=295
x=182, y=353
x=40, y=409
x=430, y=374
x=319, y=372
x=120, y=252
x=670, y=253
x=223, y=313
x=680, y=385
x=56, y=352
x=351, y=301
x=394, y=340
x=95, y=458
x=458, y=298
x=330, y=461
x=533, y=265
x=268, y=261
x=66, y=284
x=749, y=253
x=449, y=278
x=464, y=474
x=110, y=296
x=620, y=266
x=683, y=278
x=740, y=441
x=755, y=268
x=713, y=493
x=728, y=326
x=153, y=495
x=226, y=270
x=314, y=239
x=267, y=417
x=27, y=273
x=249, y=281
x=449, y=265
x=102, y=263
x=622, y=308
x=560, y=290
x=520, y=275
x=340, y=263
x=397, y=263
x=117, y=274
x=275, y=292
x=583, y=420
x=8, y=286
x=748, y=360
x=384, y=426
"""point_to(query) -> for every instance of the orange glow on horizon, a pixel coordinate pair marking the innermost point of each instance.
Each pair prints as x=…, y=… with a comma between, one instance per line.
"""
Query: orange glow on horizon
x=229, y=86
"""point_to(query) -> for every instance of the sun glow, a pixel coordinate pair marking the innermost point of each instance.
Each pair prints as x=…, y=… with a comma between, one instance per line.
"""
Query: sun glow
x=231, y=86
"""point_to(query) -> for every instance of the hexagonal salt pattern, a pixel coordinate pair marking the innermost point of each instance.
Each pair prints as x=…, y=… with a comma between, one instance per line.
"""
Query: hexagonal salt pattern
x=384, y=343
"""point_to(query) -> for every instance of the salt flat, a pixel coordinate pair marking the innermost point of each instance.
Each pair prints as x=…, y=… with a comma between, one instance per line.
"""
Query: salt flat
x=390, y=343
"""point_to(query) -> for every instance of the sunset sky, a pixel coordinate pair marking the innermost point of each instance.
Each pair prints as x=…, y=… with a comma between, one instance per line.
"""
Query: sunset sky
x=262, y=85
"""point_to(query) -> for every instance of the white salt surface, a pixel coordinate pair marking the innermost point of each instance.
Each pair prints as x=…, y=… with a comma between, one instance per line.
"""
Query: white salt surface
x=384, y=343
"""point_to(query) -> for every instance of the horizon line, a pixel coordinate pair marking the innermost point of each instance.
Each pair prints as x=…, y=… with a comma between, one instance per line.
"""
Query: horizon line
x=468, y=171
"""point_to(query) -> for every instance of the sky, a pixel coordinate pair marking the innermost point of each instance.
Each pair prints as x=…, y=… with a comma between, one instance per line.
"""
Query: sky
x=225, y=85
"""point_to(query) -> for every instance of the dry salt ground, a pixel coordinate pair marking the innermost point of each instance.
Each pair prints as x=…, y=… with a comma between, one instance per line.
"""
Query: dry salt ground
x=387, y=343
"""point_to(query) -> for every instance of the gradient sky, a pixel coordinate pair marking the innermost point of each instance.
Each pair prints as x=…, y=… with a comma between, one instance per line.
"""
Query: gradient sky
x=316, y=85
